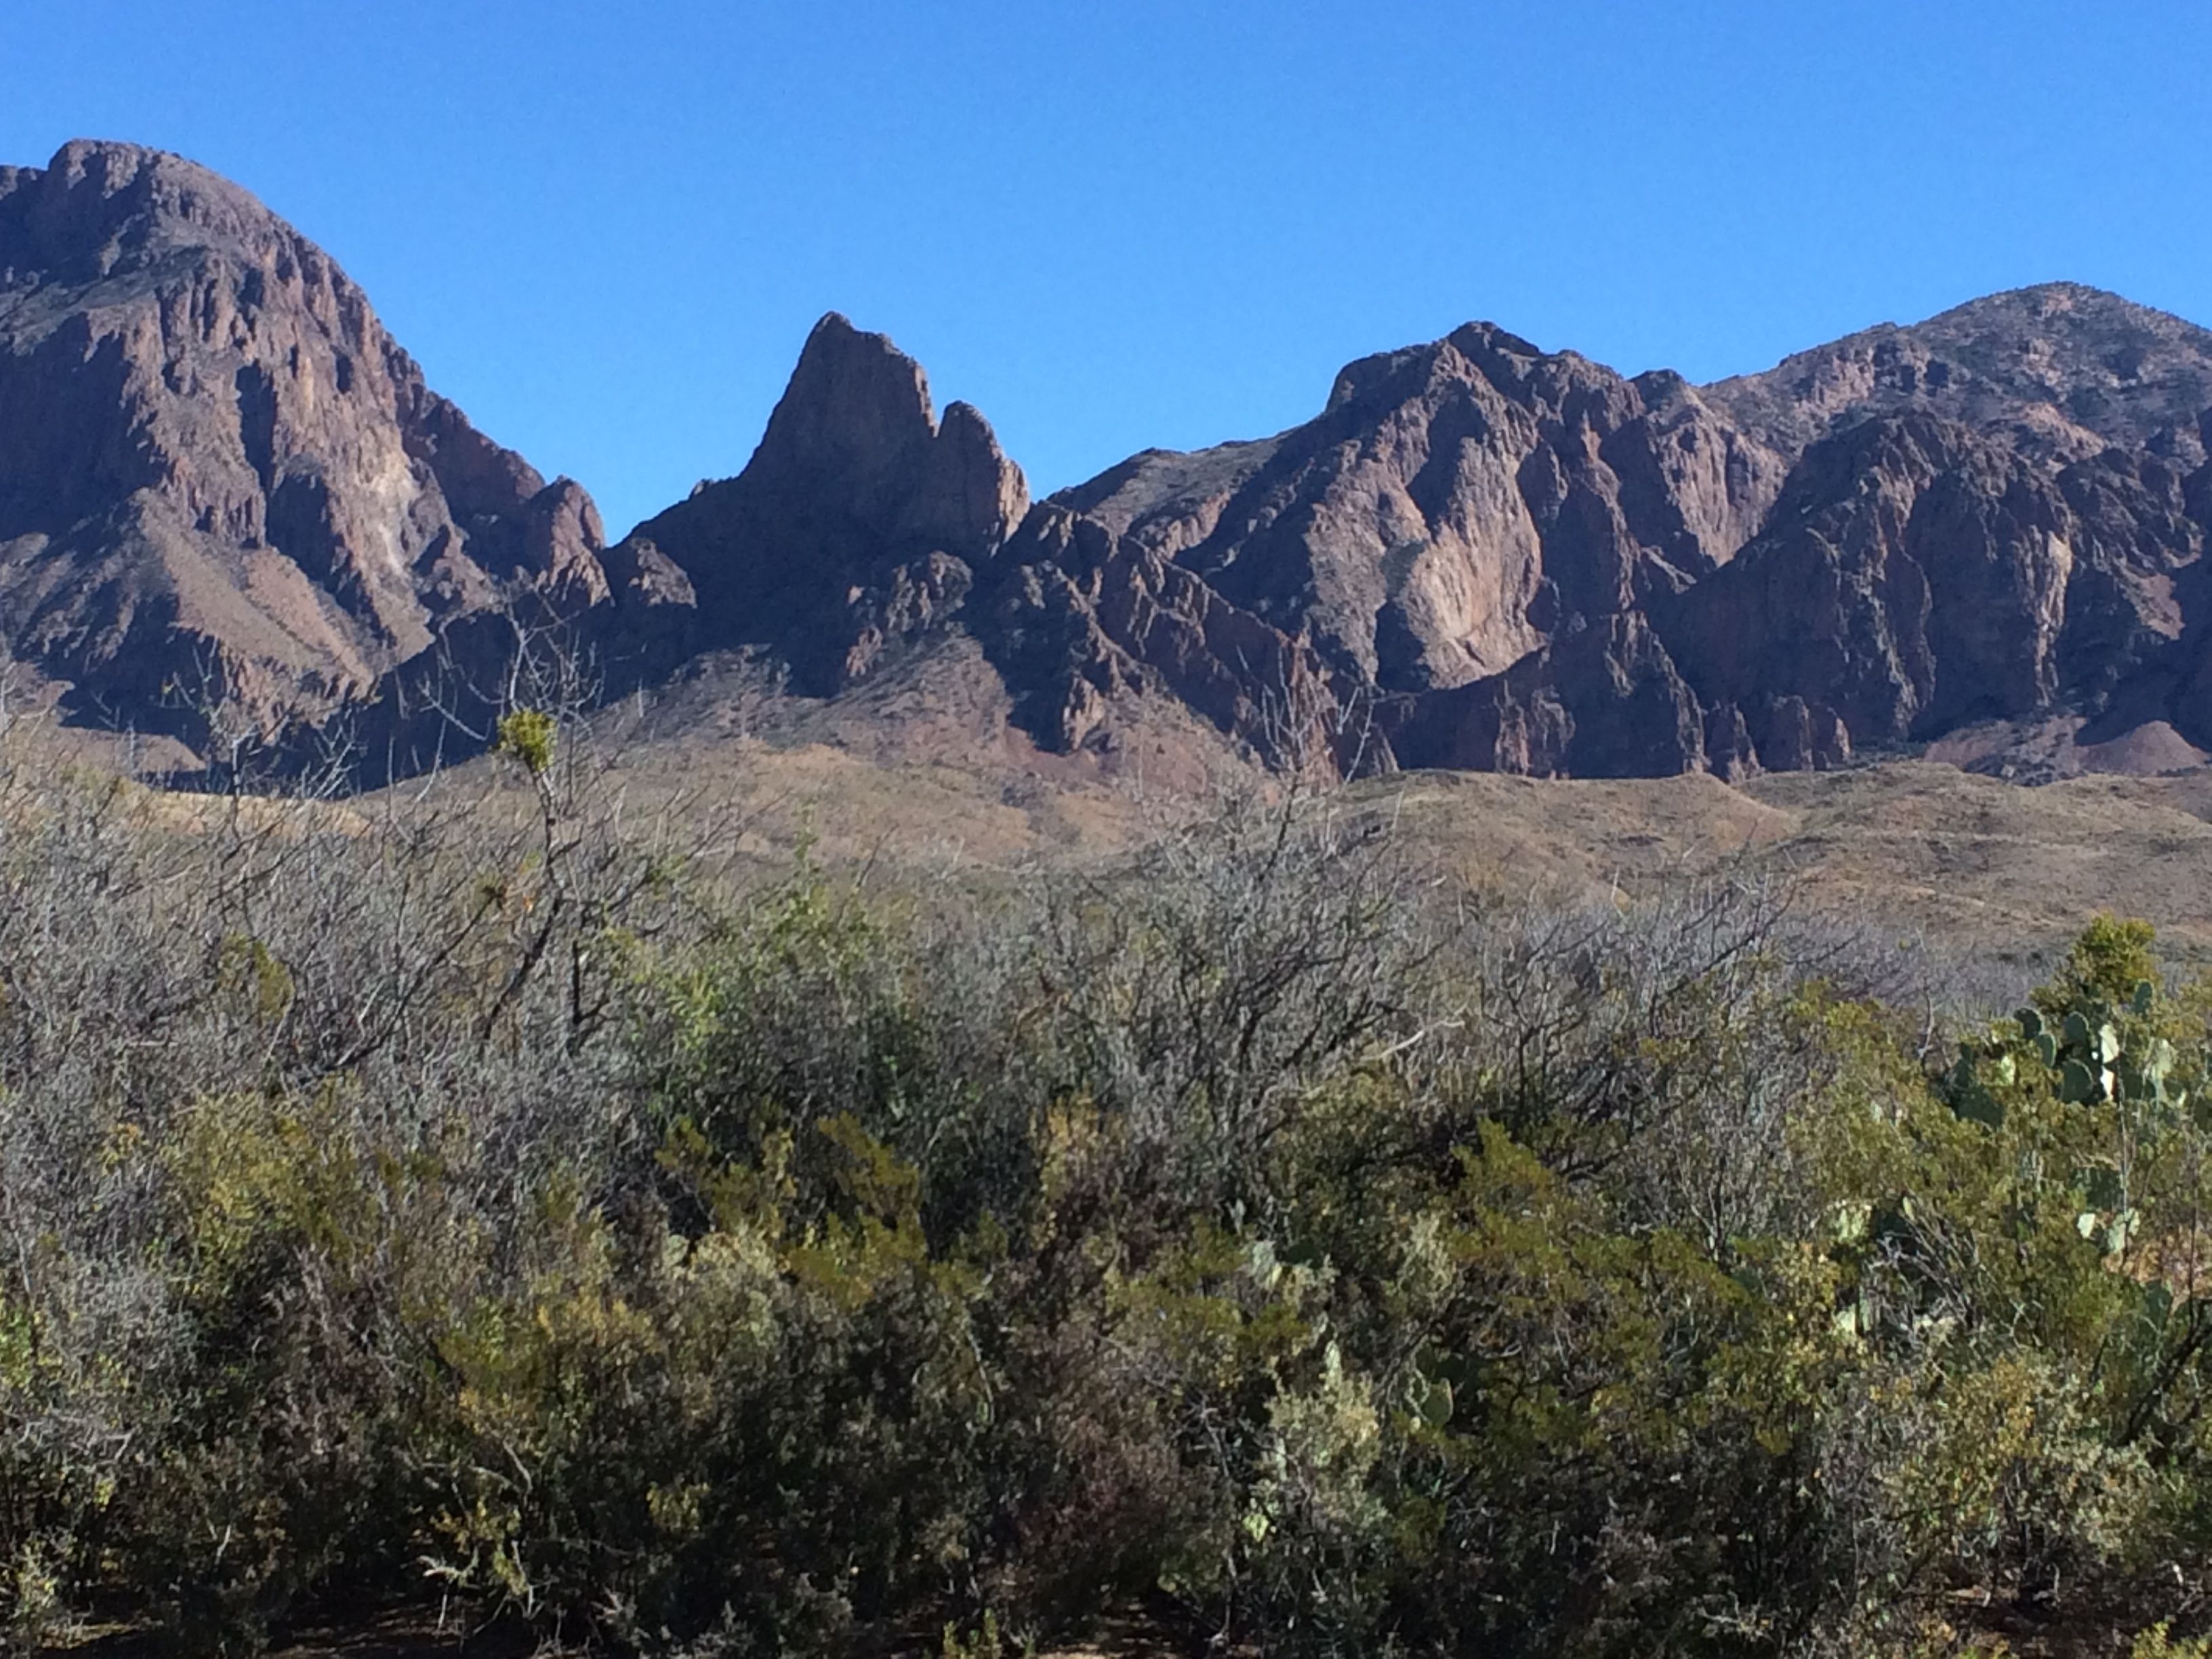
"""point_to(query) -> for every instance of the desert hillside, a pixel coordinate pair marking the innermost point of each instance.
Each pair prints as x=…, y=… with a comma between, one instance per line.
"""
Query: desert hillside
x=230, y=506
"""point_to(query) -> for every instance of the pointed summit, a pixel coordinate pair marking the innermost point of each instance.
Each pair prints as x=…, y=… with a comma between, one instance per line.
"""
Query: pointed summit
x=853, y=401
x=860, y=519
x=856, y=422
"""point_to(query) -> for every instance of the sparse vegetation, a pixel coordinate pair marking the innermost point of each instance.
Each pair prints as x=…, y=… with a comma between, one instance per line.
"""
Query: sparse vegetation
x=1264, y=1235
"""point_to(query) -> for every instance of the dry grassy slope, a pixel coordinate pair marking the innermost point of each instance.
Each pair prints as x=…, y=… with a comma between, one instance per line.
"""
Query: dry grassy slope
x=930, y=779
x=1991, y=862
x=753, y=802
x=920, y=765
x=1986, y=865
x=759, y=801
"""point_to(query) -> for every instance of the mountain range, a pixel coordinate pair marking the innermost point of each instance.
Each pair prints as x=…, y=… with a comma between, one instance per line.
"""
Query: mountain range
x=227, y=498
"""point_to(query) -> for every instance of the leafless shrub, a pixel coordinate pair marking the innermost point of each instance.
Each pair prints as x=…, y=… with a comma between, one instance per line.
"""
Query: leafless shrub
x=1234, y=964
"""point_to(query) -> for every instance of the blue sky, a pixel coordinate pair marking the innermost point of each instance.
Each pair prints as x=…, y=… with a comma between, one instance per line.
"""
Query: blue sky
x=604, y=229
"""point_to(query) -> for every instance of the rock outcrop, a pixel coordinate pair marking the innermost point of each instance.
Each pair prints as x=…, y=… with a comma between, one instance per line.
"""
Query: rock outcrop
x=1453, y=506
x=221, y=480
x=2062, y=370
x=1531, y=564
x=859, y=524
x=1603, y=701
x=1080, y=616
x=222, y=484
x=865, y=527
x=1919, y=577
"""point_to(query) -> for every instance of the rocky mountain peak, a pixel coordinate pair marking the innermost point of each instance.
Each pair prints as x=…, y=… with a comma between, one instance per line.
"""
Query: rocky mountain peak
x=855, y=437
x=1529, y=562
x=216, y=467
x=1454, y=504
x=99, y=206
x=219, y=476
x=860, y=522
x=2067, y=369
x=856, y=422
x=855, y=405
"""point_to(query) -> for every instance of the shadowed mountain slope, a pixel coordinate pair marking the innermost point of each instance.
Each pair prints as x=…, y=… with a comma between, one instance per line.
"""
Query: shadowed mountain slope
x=221, y=480
x=224, y=487
x=860, y=520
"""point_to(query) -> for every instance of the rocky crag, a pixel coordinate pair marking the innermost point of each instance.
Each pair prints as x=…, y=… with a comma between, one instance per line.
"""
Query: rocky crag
x=1526, y=563
x=1483, y=556
x=222, y=484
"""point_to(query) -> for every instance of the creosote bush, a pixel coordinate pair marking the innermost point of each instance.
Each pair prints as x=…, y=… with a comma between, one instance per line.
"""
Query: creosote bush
x=1267, y=1237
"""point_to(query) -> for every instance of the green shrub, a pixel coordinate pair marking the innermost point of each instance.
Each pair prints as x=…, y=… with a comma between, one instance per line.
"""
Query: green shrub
x=1307, y=1255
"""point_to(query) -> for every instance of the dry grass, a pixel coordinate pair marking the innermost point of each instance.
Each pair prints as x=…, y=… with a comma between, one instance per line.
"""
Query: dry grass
x=1984, y=864
x=923, y=774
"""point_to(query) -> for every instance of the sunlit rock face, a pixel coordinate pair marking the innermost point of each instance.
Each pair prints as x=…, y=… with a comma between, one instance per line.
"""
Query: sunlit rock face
x=220, y=478
x=222, y=482
x=1524, y=561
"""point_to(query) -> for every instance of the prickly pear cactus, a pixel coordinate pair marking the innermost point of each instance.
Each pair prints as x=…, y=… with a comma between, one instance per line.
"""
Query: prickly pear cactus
x=2096, y=1051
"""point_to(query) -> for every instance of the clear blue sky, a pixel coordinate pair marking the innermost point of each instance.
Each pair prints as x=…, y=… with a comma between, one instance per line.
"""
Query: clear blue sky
x=605, y=228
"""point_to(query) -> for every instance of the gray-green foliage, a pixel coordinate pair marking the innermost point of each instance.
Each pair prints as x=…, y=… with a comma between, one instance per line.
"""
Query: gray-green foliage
x=1268, y=1235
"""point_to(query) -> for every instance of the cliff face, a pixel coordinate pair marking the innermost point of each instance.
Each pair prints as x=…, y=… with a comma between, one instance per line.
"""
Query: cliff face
x=859, y=522
x=1453, y=506
x=1917, y=577
x=222, y=482
x=1920, y=577
x=1524, y=563
x=220, y=478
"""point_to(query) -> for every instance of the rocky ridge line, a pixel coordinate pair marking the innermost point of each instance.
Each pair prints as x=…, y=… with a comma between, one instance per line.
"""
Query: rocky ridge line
x=221, y=481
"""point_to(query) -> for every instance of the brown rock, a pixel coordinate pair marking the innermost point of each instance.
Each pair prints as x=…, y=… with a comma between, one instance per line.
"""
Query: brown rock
x=858, y=523
x=1082, y=615
x=221, y=479
x=2061, y=370
x=641, y=576
x=219, y=476
x=1605, y=701
x=1919, y=577
x=1454, y=505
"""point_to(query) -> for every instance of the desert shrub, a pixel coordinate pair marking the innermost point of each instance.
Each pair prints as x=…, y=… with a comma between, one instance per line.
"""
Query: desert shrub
x=410, y=1197
x=2020, y=1242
